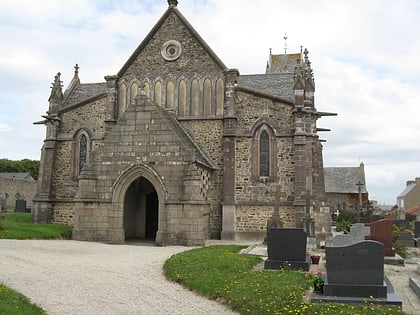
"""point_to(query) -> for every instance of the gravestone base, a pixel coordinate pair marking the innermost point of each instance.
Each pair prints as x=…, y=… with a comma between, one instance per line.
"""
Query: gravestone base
x=292, y=265
x=396, y=260
x=390, y=298
x=414, y=282
x=355, y=290
x=415, y=285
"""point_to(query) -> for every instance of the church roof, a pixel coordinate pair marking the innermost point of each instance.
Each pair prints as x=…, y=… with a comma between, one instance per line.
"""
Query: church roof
x=19, y=176
x=279, y=84
x=343, y=180
x=84, y=92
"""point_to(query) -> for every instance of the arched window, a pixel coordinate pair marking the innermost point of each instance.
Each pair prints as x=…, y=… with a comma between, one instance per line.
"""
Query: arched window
x=81, y=147
x=264, y=154
x=83, y=152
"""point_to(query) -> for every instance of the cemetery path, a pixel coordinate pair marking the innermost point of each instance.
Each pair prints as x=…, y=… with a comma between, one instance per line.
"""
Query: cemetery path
x=71, y=277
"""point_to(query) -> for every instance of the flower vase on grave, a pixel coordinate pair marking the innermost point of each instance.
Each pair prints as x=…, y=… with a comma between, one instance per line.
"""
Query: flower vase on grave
x=319, y=289
x=315, y=259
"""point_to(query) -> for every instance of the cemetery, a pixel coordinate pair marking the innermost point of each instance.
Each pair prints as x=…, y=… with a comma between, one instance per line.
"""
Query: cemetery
x=350, y=266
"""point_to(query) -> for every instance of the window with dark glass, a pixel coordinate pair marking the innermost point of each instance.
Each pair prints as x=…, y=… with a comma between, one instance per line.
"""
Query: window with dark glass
x=264, y=154
x=82, y=152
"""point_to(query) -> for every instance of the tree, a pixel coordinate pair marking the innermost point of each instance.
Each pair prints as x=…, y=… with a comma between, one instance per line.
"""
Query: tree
x=21, y=166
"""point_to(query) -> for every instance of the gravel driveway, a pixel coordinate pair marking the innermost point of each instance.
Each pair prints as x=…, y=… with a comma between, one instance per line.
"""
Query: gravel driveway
x=70, y=277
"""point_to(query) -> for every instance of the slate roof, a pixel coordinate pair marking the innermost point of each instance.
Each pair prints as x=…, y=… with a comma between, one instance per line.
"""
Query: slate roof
x=279, y=84
x=343, y=180
x=19, y=176
x=407, y=190
x=84, y=92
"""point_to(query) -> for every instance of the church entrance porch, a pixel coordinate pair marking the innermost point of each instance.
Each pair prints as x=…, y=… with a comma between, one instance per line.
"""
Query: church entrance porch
x=141, y=210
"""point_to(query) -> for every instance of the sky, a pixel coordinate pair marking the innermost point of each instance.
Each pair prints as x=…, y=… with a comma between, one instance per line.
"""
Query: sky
x=365, y=56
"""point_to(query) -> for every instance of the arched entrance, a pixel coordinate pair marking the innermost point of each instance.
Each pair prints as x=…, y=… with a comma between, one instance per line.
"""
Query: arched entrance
x=141, y=210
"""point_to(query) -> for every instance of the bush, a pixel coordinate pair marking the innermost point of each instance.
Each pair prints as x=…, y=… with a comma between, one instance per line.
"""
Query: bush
x=344, y=220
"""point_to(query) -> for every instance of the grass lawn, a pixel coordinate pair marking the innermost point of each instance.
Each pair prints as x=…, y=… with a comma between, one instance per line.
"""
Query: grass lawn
x=221, y=273
x=13, y=303
x=19, y=226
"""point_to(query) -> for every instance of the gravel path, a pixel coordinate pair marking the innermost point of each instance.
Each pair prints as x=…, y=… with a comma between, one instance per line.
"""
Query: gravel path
x=70, y=277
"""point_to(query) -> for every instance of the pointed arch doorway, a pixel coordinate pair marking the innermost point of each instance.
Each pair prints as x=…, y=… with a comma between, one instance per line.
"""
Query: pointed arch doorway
x=141, y=210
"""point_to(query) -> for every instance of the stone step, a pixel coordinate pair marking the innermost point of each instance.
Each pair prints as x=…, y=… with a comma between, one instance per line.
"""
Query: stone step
x=415, y=285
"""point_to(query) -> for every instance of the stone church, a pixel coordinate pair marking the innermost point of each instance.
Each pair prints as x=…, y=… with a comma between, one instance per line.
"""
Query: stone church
x=179, y=148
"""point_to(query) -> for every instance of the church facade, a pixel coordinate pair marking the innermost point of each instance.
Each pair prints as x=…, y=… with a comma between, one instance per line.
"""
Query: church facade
x=179, y=148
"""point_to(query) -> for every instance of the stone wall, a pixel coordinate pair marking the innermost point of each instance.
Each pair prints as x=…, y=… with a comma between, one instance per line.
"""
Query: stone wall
x=253, y=218
x=63, y=213
x=254, y=112
x=25, y=188
x=208, y=134
x=89, y=118
x=191, y=86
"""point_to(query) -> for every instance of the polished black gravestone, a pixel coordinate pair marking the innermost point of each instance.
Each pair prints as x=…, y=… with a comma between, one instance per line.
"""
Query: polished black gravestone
x=355, y=270
x=417, y=229
x=286, y=248
x=20, y=205
x=356, y=273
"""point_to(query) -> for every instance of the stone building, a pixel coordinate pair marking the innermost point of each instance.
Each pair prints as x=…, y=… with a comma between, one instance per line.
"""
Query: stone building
x=410, y=196
x=179, y=148
x=14, y=186
x=345, y=188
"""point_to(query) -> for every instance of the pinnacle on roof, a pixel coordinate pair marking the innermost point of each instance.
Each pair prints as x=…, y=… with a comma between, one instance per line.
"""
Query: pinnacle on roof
x=56, y=87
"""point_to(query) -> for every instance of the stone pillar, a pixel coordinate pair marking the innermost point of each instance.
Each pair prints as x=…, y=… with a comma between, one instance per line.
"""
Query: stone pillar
x=229, y=133
x=42, y=205
x=112, y=107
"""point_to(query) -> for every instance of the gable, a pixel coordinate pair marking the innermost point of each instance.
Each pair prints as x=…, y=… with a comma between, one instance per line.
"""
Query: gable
x=195, y=56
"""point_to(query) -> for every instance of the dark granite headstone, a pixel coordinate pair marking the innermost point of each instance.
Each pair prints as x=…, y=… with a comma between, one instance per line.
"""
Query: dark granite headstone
x=356, y=270
x=286, y=248
x=405, y=237
x=381, y=231
x=20, y=205
x=3, y=205
x=402, y=224
x=417, y=229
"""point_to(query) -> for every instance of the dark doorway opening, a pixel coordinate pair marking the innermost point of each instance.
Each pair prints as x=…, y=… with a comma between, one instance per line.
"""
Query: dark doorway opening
x=141, y=210
x=152, y=211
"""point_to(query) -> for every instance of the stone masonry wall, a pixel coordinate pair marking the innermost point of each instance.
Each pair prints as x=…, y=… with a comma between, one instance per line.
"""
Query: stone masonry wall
x=209, y=135
x=89, y=117
x=63, y=213
x=25, y=188
x=251, y=112
x=254, y=218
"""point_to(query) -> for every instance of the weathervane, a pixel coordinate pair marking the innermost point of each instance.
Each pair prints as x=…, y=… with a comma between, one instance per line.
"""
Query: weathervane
x=285, y=43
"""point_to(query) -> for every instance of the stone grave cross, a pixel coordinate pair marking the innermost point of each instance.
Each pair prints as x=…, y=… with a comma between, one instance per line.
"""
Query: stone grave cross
x=308, y=224
x=275, y=219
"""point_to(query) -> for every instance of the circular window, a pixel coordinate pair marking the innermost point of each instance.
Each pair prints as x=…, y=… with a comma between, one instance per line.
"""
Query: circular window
x=171, y=50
